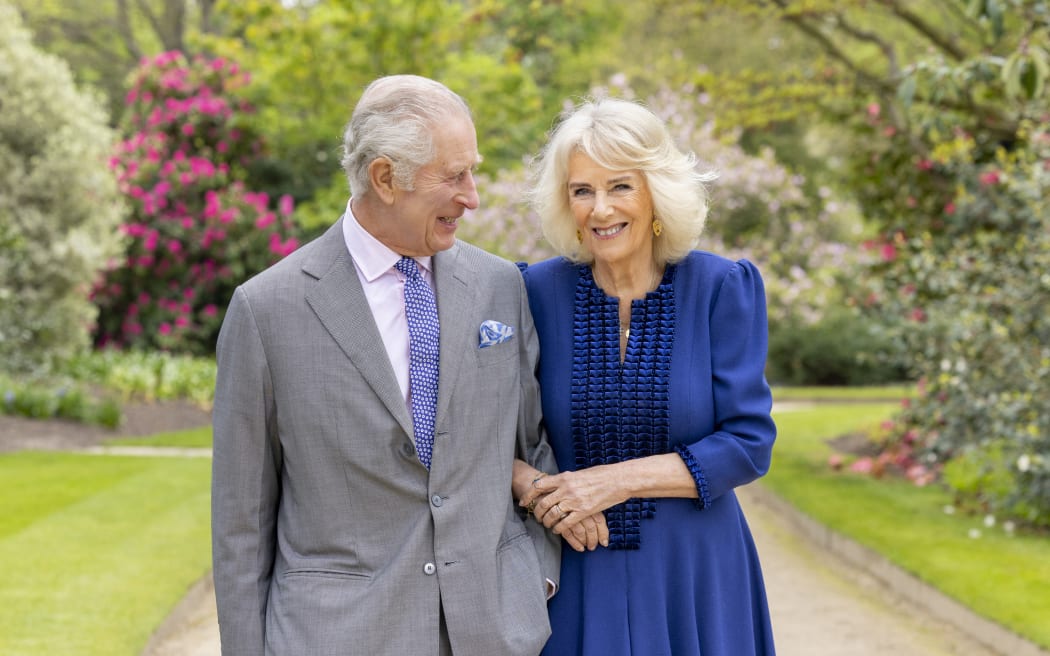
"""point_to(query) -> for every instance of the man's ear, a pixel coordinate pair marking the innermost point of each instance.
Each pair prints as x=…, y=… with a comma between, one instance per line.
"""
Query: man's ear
x=381, y=177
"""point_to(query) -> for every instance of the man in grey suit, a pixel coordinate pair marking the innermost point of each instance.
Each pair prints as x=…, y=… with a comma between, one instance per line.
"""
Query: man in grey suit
x=340, y=524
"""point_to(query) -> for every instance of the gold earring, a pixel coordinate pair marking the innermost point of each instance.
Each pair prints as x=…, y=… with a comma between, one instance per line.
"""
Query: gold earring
x=657, y=227
x=579, y=237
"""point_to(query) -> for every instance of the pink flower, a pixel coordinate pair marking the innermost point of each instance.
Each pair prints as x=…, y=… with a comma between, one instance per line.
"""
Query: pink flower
x=924, y=165
x=949, y=209
x=282, y=249
x=835, y=461
x=889, y=253
x=989, y=178
x=188, y=129
x=210, y=310
x=165, y=328
x=917, y=315
x=211, y=204
x=285, y=205
x=133, y=229
x=873, y=110
x=265, y=220
x=181, y=322
x=174, y=246
x=861, y=465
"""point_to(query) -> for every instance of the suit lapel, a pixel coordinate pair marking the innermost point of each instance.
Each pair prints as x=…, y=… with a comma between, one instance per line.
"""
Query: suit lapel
x=459, y=335
x=341, y=306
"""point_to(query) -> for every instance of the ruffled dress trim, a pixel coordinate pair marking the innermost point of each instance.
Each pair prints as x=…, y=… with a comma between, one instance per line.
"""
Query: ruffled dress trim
x=703, y=495
x=620, y=410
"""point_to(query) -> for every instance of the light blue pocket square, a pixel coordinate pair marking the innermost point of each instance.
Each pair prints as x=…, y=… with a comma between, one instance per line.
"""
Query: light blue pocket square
x=494, y=332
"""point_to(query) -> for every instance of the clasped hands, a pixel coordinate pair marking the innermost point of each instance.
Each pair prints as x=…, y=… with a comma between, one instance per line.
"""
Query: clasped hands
x=569, y=503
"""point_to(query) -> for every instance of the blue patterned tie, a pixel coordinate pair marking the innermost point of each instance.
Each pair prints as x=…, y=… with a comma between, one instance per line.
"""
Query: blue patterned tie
x=423, y=333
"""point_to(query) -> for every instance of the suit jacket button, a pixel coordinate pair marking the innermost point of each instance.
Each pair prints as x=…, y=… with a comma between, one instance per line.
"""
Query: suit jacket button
x=429, y=569
x=437, y=500
x=408, y=449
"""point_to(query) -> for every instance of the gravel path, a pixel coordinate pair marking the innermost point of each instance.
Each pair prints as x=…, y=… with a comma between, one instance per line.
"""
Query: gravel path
x=821, y=606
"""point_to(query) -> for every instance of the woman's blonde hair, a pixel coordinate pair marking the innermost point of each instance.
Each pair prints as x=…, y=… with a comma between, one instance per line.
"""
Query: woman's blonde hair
x=621, y=135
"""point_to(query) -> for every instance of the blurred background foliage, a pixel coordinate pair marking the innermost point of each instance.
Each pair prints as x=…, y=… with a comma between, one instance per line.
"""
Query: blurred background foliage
x=885, y=163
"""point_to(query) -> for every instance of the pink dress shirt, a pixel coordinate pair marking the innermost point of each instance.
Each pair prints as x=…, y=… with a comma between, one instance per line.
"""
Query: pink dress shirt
x=384, y=287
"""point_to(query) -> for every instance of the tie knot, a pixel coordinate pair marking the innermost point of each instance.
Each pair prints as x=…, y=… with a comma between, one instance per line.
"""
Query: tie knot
x=408, y=267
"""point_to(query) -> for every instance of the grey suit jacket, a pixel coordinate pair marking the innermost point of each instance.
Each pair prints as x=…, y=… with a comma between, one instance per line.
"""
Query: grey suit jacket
x=329, y=535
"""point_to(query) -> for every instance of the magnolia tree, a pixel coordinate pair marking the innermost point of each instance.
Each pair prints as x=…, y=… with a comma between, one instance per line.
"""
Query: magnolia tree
x=195, y=230
x=759, y=210
x=59, y=206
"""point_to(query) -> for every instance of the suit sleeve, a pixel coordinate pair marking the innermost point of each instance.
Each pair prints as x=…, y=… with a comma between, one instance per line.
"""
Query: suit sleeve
x=533, y=446
x=740, y=448
x=245, y=481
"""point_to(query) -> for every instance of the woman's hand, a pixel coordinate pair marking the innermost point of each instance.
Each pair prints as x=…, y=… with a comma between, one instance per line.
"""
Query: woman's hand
x=588, y=533
x=585, y=535
x=563, y=501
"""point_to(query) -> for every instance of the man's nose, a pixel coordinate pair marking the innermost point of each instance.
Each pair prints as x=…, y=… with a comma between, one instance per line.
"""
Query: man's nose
x=468, y=197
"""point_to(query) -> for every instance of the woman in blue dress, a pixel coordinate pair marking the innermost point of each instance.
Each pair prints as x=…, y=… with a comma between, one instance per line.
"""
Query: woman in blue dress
x=654, y=398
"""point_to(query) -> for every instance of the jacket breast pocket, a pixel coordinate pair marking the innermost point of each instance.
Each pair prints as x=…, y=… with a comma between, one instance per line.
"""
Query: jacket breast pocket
x=497, y=353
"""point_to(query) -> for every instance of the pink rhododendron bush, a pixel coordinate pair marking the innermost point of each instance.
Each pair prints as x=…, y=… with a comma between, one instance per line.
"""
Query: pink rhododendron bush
x=195, y=229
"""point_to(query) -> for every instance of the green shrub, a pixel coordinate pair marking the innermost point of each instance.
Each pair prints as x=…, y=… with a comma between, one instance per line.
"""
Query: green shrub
x=146, y=375
x=71, y=401
x=59, y=207
x=960, y=275
x=842, y=348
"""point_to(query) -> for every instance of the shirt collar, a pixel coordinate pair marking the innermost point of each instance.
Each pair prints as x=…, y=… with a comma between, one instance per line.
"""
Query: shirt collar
x=373, y=257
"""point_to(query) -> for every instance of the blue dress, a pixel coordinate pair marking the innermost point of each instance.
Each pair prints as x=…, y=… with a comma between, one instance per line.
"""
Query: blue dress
x=681, y=577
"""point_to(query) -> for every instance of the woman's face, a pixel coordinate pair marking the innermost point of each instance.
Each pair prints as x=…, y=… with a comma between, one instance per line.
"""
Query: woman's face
x=613, y=212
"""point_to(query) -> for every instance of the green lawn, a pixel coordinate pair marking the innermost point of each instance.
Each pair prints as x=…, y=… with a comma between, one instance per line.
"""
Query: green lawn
x=1000, y=576
x=887, y=393
x=193, y=438
x=96, y=551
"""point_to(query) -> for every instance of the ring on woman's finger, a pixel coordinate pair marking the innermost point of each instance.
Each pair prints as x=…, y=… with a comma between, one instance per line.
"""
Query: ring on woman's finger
x=531, y=507
x=561, y=513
